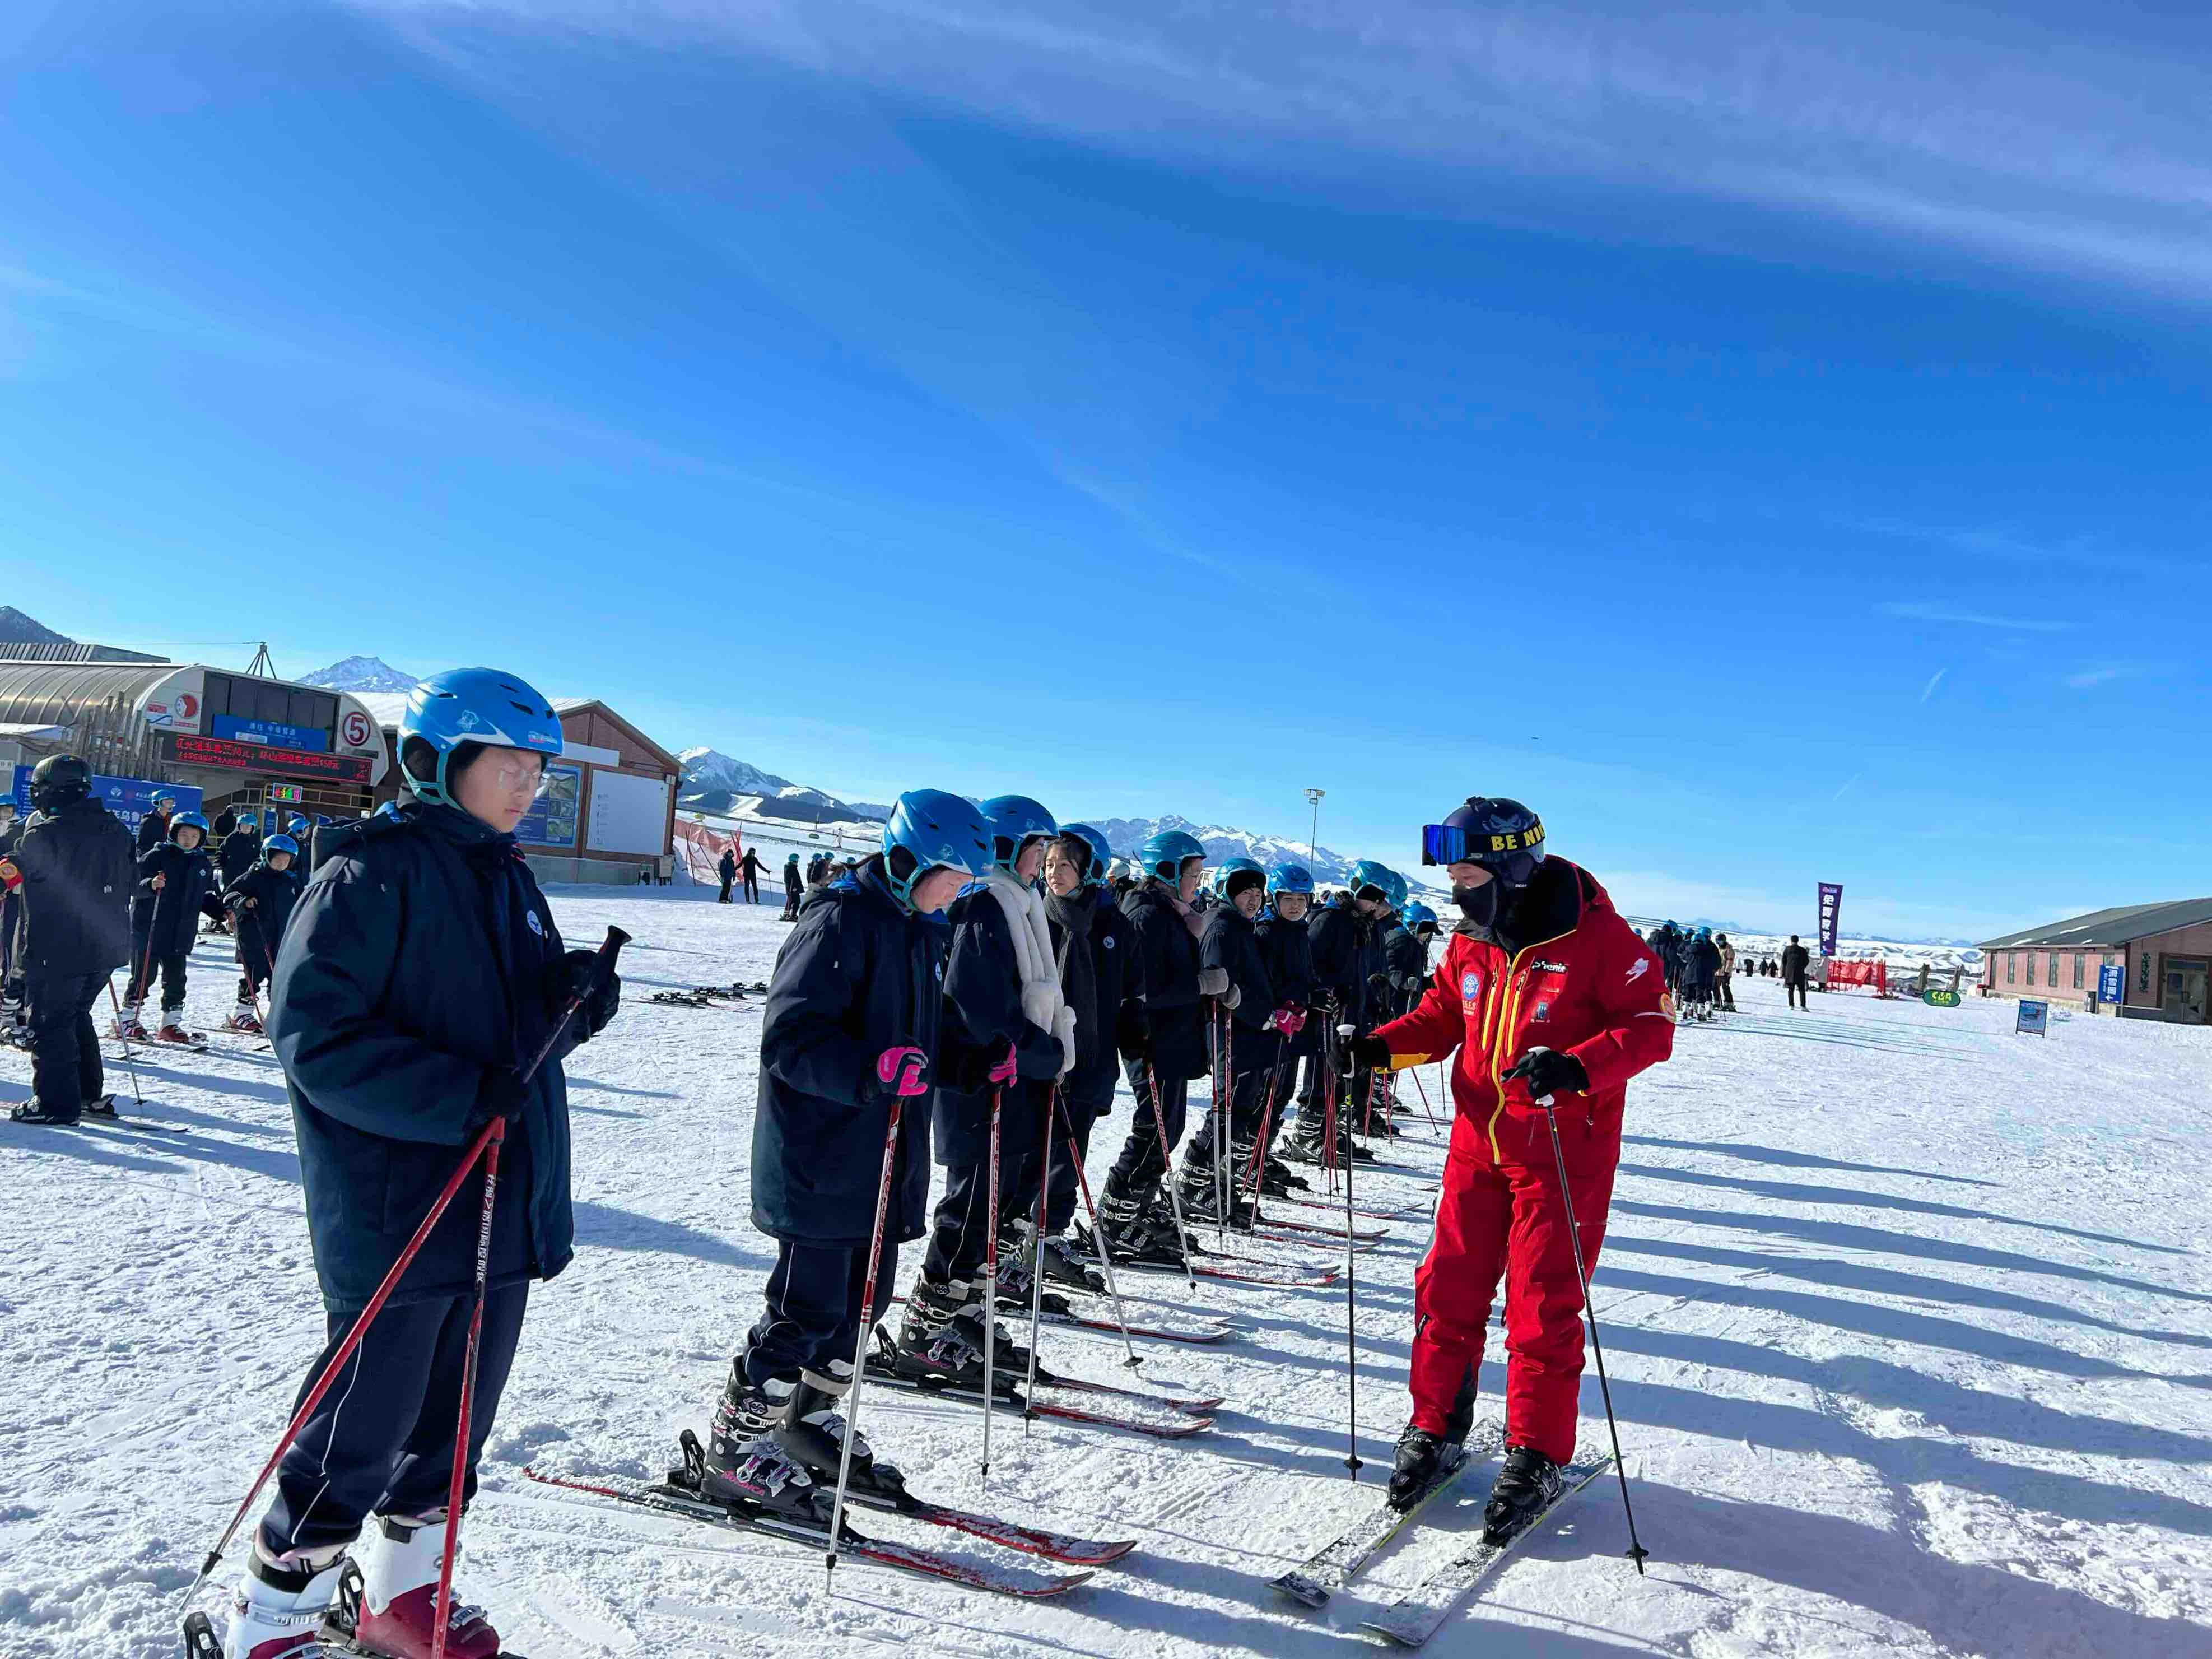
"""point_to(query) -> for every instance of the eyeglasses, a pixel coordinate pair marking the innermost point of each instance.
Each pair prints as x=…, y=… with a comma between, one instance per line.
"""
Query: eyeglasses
x=521, y=772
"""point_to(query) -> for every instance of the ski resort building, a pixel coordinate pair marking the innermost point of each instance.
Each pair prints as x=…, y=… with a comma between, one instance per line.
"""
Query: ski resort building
x=608, y=813
x=247, y=741
x=2162, y=953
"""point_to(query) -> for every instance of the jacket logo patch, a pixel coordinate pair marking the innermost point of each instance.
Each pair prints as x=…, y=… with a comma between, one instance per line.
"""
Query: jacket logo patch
x=1637, y=969
x=535, y=926
x=1543, y=1011
x=1109, y=942
x=1470, y=987
x=1547, y=967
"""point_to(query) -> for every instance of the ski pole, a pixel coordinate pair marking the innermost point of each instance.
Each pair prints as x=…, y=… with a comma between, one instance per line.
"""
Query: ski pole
x=1036, y=1263
x=865, y=1321
x=991, y=1292
x=1168, y=1174
x=1098, y=1242
x=1221, y=1075
x=1351, y=1307
x=608, y=950
x=1635, y=1550
x=130, y=1063
x=1426, y=1110
x=444, y=1606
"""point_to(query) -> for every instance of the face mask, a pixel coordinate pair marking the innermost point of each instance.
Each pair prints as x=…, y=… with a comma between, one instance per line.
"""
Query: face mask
x=1478, y=904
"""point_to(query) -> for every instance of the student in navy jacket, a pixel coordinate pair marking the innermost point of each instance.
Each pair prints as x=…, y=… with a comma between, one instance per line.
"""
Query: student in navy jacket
x=176, y=887
x=260, y=901
x=417, y=975
x=1235, y=974
x=850, y=1029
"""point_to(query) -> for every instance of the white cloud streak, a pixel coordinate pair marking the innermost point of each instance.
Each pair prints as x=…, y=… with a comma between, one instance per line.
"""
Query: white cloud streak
x=1934, y=680
x=1986, y=133
x=1944, y=613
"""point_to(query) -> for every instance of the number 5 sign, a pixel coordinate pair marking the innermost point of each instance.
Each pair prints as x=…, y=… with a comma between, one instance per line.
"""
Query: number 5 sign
x=356, y=729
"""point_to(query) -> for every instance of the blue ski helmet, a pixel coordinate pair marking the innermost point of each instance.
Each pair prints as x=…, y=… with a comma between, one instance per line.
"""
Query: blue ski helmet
x=279, y=844
x=1382, y=877
x=1291, y=878
x=929, y=828
x=1102, y=855
x=469, y=705
x=1014, y=820
x=1417, y=914
x=188, y=821
x=1163, y=855
x=1229, y=867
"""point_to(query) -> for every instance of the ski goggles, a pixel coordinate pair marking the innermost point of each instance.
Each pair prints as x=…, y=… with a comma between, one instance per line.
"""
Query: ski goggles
x=1513, y=857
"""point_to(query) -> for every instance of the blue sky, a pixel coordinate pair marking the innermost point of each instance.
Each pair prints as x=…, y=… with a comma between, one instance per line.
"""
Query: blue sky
x=1772, y=444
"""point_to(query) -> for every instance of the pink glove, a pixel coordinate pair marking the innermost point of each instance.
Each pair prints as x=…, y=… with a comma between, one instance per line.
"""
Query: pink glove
x=904, y=1071
x=1289, y=1019
x=1003, y=1071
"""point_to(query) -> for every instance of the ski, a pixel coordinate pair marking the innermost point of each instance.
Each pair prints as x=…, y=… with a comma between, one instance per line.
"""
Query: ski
x=1420, y=1613
x=673, y=1497
x=1333, y=1566
x=1404, y=1212
x=1166, y=1402
x=1205, y=1264
x=1269, y=1233
x=1199, y=1331
x=1361, y=1235
x=1175, y=1424
x=102, y=1111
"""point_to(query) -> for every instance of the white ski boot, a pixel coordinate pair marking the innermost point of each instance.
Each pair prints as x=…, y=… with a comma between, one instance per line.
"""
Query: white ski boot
x=280, y=1604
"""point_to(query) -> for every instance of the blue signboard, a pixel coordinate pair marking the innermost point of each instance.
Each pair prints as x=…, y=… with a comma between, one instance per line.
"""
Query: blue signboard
x=2112, y=983
x=129, y=799
x=2034, y=1018
x=273, y=734
x=552, y=819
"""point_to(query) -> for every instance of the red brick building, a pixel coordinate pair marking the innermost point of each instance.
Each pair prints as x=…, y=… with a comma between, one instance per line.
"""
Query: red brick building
x=2165, y=951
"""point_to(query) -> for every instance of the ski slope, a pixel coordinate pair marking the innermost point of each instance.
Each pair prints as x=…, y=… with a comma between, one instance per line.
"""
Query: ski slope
x=1910, y=1322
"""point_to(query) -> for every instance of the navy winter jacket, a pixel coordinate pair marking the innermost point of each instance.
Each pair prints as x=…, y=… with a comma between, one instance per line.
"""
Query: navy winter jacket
x=1117, y=972
x=1338, y=959
x=1408, y=961
x=1287, y=950
x=420, y=961
x=260, y=928
x=1174, y=1027
x=982, y=1016
x=1232, y=944
x=169, y=921
x=859, y=974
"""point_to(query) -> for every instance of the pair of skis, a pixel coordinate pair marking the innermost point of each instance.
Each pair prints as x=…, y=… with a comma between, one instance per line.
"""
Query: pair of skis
x=682, y=1494
x=1420, y=1612
x=1160, y=1416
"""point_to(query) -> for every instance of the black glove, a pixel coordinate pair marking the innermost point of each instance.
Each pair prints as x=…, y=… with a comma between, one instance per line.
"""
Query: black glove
x=601, y=998
x=502, y=1094
x=1364, y=1054
x=1548, y=1071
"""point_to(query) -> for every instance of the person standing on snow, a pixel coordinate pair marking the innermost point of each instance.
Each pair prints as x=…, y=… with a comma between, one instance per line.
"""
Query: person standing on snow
x=176, y=887
x=1544, y=993
x=726, y=868
x=750, y=869
x=850, y=1027
x=1346, y=952
x=1725, y=981
x=154, y=828
x=1795, y=960
x=261, y=901
x=792, y=888
x=420, y=973
x=68, y=877
x=1005, y=1037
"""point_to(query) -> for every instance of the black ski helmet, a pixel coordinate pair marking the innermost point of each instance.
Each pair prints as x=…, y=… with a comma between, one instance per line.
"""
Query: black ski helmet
x=59, y=779
x=1502, y=836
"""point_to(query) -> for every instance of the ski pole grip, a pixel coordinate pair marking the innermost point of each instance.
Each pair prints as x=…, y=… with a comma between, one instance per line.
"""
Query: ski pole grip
x=609, y=948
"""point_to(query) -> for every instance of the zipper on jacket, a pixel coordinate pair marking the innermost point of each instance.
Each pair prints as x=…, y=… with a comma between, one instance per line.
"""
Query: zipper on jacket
x=1508, y=1004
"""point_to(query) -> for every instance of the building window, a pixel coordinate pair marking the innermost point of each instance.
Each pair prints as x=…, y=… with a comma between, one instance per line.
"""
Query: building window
x=2053, y=965
x=2077, y=970
x=2142, y=972
x=2031, y=967
x=2011, y=957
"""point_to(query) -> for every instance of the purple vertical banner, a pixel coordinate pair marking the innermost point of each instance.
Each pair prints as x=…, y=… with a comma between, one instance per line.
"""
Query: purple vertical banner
x=1832, y=900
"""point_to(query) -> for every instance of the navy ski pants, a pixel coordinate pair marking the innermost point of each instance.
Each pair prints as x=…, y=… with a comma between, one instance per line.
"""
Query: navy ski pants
x=812, y=1320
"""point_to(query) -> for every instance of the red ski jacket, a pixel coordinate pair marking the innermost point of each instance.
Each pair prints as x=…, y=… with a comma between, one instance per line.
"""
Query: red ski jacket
x=1585, y=985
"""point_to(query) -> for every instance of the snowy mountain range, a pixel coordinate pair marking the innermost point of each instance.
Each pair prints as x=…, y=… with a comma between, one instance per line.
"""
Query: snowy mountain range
x=360, y=674
x=18, y=628
x=1330, y=869
x=717, y=784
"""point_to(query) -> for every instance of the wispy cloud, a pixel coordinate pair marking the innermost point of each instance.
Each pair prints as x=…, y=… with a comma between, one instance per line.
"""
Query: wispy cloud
x=1849, y=783
x=2105, y=674
x=1996, y=136
x=1944, y=613
x=1934, y=680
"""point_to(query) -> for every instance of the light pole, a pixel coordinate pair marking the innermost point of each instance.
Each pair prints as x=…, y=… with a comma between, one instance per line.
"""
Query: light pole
x=1313, y=836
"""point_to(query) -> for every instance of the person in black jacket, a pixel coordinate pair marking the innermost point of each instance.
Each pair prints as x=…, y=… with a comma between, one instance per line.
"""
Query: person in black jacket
x=11, y=977
x=1346, y=953
x=727, y=870
x=71, y=870
x=420, y=974
x=750, y=869
x=793, y=887
x=1095, y=947
x=176, y=888
x=1796, y=960
x=154, y=828
x=1005, y=1037
x=1287, y=949
x=236, y=852
x=849, y=1032
x=261, y=902
x=1243, y=1019
x=1165, y=1047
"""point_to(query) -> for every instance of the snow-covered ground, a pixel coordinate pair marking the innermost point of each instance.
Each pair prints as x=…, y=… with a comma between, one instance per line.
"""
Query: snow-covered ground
x=1910, y=1320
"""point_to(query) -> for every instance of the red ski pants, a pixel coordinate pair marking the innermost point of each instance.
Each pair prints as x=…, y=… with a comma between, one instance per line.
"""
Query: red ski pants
x=1509, y=1222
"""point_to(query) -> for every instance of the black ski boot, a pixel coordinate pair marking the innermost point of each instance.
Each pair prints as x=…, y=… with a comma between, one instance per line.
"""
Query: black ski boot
x=1278, y=1180
x=1064, y=1265
x=1201, y=1205
x=935, y=1344
x=1526, y=1486
x=813, y=1432
x=744, y=1465
x=1419, y=1455
x=1016, y=1276
x=1122, y=1218
x=31, y=1111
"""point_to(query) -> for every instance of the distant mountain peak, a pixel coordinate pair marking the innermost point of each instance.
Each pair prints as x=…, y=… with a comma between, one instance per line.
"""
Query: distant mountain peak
x=20, y=629
x=360, y=674
x=717, y=783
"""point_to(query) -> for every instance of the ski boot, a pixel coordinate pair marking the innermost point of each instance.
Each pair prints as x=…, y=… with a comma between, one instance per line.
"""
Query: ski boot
x=1167, y=1241
x=1201, y=1205
x=1529, y=1482
x=173, y=1029
x=811, y=1432
x=966, y=1302
x=1122, y=1218
x=30, y=1112
x=244, y=1019
x=279, y=1608
x=130, y=1028
x=1418, y=1456
x=1063, y=1266
x=397, y=1610
x=744, y=1467
x=932, y=1345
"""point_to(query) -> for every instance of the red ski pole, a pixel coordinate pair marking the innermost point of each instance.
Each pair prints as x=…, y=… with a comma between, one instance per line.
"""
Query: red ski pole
x=861, y=1343
x=494, y=1137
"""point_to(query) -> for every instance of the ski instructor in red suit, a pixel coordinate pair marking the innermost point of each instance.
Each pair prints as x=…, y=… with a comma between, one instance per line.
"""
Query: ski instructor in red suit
x=1543, y=990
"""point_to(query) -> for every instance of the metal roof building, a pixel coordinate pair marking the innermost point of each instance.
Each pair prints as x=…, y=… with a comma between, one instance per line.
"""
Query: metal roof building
x=2163, y=952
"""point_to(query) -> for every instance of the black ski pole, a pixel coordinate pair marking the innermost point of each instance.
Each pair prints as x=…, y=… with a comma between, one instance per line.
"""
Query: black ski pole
x=1351, y=1304
x=1098, y=1239
x=1635, y=1550
x=130, y=1063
